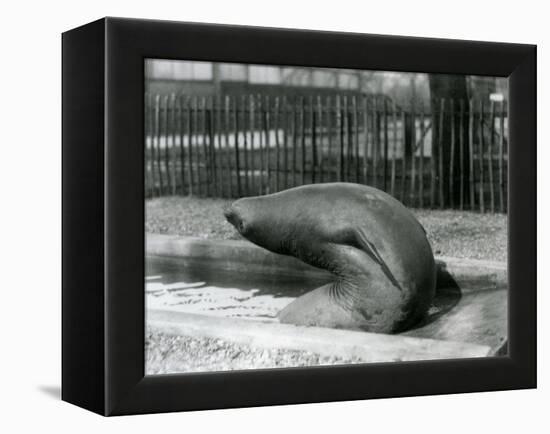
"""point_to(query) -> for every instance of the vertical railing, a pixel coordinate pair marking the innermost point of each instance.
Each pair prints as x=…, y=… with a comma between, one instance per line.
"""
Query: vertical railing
x=449, y=154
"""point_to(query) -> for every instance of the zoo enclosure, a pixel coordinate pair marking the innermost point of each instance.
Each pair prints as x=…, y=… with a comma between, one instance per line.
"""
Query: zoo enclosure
x=452, y=157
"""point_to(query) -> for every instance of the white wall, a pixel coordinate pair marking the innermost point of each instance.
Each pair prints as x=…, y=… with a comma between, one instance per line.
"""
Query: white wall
x=30, y=217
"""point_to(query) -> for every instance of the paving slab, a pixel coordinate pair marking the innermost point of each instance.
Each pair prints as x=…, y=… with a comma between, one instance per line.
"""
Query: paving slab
x=369, y=347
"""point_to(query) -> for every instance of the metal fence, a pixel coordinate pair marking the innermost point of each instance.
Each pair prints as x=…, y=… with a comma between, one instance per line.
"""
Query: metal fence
x=453, y=156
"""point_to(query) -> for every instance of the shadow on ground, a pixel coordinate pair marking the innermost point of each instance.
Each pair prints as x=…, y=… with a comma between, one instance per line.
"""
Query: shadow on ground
x=51, y=391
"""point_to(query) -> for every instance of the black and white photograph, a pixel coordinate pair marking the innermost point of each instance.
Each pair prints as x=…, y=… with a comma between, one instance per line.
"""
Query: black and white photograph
x=307, y=216
x=275, y=217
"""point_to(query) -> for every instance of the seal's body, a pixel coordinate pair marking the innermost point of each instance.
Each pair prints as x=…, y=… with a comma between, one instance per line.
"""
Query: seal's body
x=383, y=265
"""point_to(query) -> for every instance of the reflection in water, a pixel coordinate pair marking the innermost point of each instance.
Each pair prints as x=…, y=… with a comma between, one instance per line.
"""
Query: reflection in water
x=173, y=284
x=200, y=297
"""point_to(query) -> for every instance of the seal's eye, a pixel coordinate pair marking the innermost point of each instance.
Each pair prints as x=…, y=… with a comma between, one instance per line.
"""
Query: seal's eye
x=241, y=226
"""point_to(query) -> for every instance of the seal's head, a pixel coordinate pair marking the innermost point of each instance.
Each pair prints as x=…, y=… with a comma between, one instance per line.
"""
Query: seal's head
x=233, y=216
x=254, y=221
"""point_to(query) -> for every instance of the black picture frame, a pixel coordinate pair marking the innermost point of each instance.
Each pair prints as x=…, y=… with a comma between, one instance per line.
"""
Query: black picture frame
x=103, y=216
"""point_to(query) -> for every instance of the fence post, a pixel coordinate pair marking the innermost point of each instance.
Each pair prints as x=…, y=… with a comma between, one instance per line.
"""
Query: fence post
x=197, y=153
x=276, y=124
x=490, y=156
x=167, y=145
x=471, y=149
x=412, y=198
x=217, y=104
x=261, y=141
x=355, y=123
x=236, y=135
x=339, y=139
x=346, y=146
x=251, y=126
x=441, y=156
x=461, y=144
x=157, y=143
x=160, y=152
x=226, y=125
x=205, y=159
x=375, y=141
x=163, y=142
x=501, y=158
x=331, y=150
x=181, y=127
x=452, y=156
x=313, y=125
x=266, y=113
x=240, y=136
x=210, y=120
x=321, y=146
x=385, y=105
x=197, y=146
x=421, y=165
x=172, y=129
x=294, y=117
x=350, y=139
x=151, y=123
x=433, y=160
x=190, y=131
x=394, y=148
x=404, y=159
x=302, y=141
x=481, y=151
x=245, y=145
x=366, y=142
x=285, y=115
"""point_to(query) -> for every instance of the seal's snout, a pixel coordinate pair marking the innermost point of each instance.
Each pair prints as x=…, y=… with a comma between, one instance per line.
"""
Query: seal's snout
x=228, y=212
x=232, y=216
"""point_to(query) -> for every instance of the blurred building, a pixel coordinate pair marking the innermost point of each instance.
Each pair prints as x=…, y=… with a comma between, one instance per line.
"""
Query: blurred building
x=206, y=78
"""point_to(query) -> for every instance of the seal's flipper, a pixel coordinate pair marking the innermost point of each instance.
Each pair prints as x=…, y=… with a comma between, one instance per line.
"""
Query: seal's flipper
x=318, y=308
x=360, y=240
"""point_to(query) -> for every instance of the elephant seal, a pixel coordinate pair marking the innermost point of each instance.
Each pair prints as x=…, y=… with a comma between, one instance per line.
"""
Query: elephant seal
x=383, y=266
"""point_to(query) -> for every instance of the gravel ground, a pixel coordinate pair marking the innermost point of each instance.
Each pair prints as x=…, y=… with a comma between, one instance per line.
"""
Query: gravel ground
x=466, y=234
x=460, y=234
x=172, y=354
